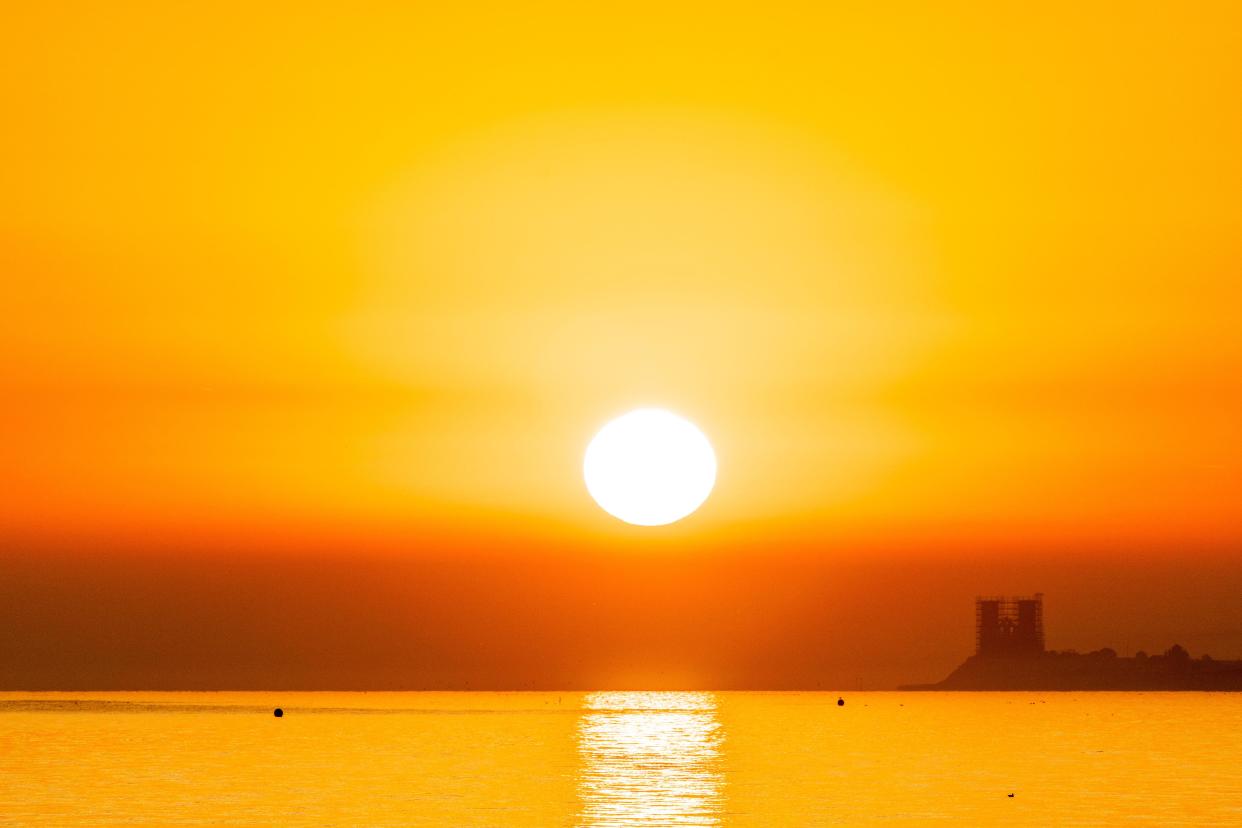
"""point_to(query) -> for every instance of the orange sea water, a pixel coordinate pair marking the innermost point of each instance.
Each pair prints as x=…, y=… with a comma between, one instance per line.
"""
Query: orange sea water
x=620, y=759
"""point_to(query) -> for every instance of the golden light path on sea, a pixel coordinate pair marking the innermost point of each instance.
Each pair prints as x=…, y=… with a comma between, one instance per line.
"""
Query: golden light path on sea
x=649, y=759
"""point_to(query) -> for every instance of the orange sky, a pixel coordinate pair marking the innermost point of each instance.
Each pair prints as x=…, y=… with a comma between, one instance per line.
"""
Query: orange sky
x=936, y=281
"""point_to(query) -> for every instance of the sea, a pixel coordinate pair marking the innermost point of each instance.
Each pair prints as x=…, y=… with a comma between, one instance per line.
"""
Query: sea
x=620, y=759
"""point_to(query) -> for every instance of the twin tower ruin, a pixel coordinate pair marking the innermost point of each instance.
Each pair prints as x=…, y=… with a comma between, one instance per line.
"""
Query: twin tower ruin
x=1009, y=626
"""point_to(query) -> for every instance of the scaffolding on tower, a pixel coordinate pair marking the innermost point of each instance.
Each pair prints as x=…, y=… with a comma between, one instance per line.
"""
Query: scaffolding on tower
x=1009, y=625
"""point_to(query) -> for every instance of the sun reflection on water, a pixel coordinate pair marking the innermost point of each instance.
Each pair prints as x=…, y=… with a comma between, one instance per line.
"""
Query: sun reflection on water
x=649, y=759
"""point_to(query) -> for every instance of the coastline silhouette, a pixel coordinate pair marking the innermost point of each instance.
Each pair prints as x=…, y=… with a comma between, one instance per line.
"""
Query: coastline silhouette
x=1010, y=655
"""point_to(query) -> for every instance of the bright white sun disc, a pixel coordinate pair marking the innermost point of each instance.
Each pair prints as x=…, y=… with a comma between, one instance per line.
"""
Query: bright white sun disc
x=649, y=467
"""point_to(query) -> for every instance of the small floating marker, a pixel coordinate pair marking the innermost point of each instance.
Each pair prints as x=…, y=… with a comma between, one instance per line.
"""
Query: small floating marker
x=840, y=702
x=279, y=712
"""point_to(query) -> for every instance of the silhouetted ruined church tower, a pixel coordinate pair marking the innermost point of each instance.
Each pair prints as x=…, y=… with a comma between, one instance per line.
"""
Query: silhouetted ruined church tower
x=1009, y=626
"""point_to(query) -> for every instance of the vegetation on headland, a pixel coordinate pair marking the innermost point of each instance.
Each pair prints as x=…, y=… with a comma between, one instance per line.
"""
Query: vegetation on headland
x=1102, y=669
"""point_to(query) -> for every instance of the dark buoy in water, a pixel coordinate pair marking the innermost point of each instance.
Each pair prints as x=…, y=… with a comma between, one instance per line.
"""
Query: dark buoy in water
x=278, y=712
x=840, y=702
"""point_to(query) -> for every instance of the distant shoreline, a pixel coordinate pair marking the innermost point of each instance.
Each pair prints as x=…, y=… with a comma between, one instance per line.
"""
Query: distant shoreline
x=1103, y=670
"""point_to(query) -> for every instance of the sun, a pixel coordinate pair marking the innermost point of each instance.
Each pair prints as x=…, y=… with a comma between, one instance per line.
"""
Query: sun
x=649, y=467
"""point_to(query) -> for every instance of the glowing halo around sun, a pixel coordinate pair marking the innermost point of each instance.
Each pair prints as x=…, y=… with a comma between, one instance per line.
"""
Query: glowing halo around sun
x=649, y=467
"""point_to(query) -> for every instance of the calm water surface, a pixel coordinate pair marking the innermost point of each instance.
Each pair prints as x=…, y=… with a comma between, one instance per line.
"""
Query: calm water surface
x=620, y=759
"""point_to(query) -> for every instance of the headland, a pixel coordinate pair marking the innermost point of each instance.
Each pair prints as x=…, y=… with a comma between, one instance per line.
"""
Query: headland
x=1010, y=655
